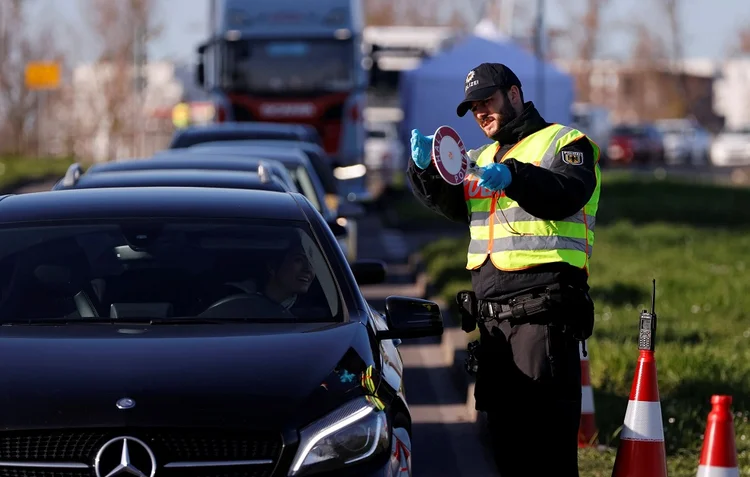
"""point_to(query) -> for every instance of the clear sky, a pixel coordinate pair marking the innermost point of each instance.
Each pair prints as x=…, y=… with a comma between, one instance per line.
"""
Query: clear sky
x=710, y=26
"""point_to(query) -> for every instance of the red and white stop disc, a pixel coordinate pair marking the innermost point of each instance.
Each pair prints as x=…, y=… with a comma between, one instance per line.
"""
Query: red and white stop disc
x=449, y=154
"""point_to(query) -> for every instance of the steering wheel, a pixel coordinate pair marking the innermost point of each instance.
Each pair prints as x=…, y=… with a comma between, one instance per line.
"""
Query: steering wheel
x=236, y=306
x=246, y=306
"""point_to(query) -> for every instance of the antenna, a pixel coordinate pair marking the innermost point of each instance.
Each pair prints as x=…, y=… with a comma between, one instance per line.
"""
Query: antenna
x=647, y=332
x=653, y=297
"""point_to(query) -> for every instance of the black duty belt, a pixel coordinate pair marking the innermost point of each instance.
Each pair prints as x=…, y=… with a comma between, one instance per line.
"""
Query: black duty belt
x=520, y=308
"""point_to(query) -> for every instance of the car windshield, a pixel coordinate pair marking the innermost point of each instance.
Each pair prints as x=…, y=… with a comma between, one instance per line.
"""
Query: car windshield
x=674, y=128
x=629, y=131
x=162, y=270
x=305, y=185
x=302, y=66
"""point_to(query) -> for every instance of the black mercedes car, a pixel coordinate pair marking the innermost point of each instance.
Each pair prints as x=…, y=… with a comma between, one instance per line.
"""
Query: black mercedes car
x=294, y=171
x=240, y=131
x=265, y=180
x=195, y=332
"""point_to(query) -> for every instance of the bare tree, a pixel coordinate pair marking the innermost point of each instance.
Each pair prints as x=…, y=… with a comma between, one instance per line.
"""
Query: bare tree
x=583, y=35
x=743, y=41
x=394, y=12
x=116, y=25
x=683, y=102
x=19, y=107
x=649, y=96
x=380, y=12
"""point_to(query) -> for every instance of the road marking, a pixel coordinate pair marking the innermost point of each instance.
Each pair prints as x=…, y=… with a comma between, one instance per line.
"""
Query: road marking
x=439, y=414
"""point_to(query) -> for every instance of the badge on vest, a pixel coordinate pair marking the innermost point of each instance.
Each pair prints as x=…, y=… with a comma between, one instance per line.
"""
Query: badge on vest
x=574, y=158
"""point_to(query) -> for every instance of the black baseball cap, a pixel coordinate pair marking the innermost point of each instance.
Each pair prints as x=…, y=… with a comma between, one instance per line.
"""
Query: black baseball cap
x=483, y=81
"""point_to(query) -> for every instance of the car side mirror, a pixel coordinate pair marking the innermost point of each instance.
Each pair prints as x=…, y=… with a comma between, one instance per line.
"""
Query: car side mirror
x=339, y=231
x=411, y=318
x=369, y=272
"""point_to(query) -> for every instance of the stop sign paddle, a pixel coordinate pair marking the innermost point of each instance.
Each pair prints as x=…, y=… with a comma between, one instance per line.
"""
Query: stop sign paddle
x=450, y=156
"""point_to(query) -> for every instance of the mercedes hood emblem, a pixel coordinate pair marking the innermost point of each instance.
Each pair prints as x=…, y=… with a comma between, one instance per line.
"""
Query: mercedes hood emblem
x=123, y=456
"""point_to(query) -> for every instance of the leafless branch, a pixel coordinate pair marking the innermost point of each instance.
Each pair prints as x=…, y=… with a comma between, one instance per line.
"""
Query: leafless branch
x=19, y=107
x=115, y=25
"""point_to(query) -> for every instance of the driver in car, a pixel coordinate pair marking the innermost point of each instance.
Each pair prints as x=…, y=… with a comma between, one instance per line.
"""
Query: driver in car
x=289, y=274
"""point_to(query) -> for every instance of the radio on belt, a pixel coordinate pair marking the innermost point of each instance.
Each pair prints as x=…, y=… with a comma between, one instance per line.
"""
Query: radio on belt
x=647, y=334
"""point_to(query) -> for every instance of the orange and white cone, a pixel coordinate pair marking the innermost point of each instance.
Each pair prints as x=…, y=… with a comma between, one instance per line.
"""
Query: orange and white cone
x=641, y=452
x=587, y=430
x=719, y=454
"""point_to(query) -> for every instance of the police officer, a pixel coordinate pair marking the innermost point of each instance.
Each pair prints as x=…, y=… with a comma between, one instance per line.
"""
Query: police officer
x=531, y=218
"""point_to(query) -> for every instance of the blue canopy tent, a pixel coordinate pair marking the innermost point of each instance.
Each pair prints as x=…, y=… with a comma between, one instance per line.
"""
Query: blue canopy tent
x=430, y=93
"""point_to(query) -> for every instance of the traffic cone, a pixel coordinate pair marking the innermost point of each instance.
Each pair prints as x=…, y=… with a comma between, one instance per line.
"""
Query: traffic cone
x=641, y=452
x=587, y=430
x=719, y=454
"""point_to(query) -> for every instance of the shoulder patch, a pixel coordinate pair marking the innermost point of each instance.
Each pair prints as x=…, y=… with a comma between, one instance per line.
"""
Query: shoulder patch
x=573, y=158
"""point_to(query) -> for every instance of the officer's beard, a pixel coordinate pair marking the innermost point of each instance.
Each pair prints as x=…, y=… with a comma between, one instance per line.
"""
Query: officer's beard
x=507, y=115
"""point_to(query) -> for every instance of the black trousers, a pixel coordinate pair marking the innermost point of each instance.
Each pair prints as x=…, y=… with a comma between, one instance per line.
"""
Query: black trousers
x=529, y=384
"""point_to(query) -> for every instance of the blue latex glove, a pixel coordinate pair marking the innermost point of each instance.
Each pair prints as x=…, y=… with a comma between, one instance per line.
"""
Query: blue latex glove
x=421, y=149
x=495, y=177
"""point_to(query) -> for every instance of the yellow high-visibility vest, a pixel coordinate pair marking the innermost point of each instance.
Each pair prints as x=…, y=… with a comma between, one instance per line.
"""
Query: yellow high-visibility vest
x=181, y=115
x=515, y=239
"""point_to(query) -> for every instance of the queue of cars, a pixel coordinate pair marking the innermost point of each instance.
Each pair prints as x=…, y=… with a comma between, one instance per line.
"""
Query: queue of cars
x=195, y=314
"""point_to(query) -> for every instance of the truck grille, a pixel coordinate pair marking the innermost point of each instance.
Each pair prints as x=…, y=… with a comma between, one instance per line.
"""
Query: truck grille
x=168, y=446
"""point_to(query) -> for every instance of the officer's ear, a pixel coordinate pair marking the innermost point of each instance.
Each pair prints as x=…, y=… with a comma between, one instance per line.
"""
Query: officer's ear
x=515, y=96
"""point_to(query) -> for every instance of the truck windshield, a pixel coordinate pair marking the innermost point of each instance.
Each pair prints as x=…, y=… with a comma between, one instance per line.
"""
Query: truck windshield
x=268, y=66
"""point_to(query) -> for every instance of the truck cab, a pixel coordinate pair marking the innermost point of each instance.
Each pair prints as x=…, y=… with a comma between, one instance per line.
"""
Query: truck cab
x=290, y=61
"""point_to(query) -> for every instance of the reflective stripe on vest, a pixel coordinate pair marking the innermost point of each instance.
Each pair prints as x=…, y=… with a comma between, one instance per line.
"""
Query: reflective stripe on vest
x=513, y=238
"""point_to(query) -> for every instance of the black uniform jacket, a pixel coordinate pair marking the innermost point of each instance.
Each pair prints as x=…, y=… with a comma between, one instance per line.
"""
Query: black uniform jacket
x=550, y=194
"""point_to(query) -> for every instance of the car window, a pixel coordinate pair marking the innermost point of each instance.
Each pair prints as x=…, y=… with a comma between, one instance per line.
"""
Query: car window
x=157, y=269
x=305, y=185
x=673, y=129
x=628, y=131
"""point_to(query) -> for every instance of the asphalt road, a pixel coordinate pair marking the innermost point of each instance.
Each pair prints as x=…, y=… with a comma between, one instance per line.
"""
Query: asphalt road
x=446, y=440
x=708, y=173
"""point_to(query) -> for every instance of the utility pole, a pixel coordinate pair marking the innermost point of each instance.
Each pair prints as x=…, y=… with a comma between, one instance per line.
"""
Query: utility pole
x=140, y=61
x=539, y=49
x=507, y=15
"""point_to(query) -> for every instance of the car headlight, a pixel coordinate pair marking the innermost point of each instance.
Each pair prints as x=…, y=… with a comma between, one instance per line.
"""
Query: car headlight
x=347, y=435
x=350, y=172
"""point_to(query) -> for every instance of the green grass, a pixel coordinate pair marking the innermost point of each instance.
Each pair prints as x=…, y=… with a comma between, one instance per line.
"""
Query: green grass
x=695, y=241
x=17, y=170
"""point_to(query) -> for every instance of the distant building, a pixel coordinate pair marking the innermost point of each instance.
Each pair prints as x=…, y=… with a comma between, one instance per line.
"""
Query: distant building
x=732, y=92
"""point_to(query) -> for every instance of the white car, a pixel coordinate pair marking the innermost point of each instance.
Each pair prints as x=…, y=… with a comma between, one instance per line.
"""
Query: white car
x=685, y=141
x=731, y=148
x=384, y=153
